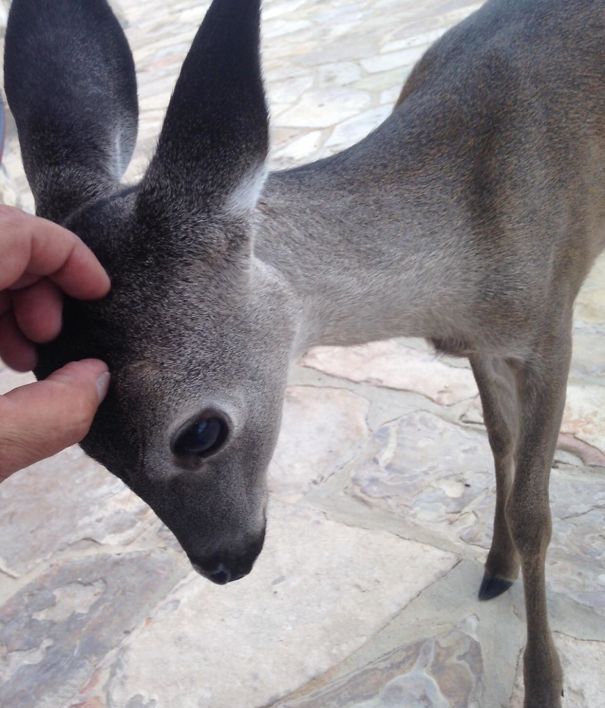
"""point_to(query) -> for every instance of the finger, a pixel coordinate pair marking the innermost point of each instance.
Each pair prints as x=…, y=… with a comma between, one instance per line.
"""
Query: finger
x=38, y=311
x=25, y=281
x=31, y=246
x=40, y=419
x=15, y=350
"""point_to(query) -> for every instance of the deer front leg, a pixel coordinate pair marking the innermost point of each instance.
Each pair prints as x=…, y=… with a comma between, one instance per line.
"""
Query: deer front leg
x=541, y=386
x=497, y=387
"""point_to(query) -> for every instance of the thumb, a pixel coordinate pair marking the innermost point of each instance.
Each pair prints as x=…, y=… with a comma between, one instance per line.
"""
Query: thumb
x=40, y=419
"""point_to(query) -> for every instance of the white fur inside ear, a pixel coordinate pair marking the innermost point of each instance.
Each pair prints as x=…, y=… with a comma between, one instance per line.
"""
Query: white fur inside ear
x=244, y=197
x=118, y=167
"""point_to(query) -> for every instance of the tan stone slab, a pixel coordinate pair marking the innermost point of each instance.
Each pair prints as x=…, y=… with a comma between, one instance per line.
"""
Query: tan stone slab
x=583, y=425
x=444, y=671
x=319, y=590
x=61, y=502
x=395, y=365
x=444, y=649
x=322, y=431
x=55, y=630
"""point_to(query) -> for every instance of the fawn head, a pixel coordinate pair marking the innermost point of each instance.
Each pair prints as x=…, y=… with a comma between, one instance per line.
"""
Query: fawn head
x=196, y=331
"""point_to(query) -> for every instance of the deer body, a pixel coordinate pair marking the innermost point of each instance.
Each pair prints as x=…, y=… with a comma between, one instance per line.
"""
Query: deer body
x=470, y=217
x=409, y=233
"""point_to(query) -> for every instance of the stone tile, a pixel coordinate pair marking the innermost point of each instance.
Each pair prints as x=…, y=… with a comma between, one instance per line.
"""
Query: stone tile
x=590, y=305
x=62, y=502
x=55, y=630
x=439, y=671
x=349, y=48
x=576, y=555
x=426, y=471
x=432, y=474
x=385, y=80
x=338, y=73
x=583, y=425
x=281, y=137
x=283, y=7
x=424, y=39
x=232, y=645
x=288, y=91
x=438, y=650
x=322, y=108
x=322, y=431
x=395, y=365
x=588, y=354
x=353, y=130
x=279, y=27
x=392, y=60
x=298, y=150
x=389, y=96
x=584, y=415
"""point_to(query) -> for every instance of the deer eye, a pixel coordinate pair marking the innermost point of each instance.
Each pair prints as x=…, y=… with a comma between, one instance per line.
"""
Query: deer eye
x=201, y=437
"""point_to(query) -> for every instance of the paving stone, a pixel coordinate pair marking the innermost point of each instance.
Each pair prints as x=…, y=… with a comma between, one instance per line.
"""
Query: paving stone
x=426, y=471
x=298, y=150
x=584, y=415
x=438, y=651
x=62, y=502
x=576, y=555
x=440, y=671
x=589, y=353
x=322, y=108
x=583, y=425
x=278, y=28
x=392, y=60
x=328, y=426
x=432, y=473
x=590, y=305
x=319, y=586
x=338, y=73
x=351, y=131
x=289, y=90
x=424, y=39
x=55, y=630
x=395, y=365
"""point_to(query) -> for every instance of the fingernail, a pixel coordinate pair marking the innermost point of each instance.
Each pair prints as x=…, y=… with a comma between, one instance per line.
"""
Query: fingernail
x=103, y=385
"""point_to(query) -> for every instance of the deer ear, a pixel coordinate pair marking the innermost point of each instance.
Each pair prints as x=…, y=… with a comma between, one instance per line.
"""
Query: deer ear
x=215, y=137
x=70, y=82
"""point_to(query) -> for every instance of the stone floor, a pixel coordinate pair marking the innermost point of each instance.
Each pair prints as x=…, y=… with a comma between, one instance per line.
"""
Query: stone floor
x=382, y=486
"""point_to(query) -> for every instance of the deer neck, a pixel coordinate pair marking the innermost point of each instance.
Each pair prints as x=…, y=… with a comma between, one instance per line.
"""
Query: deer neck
x=360, y=250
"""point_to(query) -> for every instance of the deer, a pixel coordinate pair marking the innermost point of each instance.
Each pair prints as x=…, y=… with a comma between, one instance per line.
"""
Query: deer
x=470, y=217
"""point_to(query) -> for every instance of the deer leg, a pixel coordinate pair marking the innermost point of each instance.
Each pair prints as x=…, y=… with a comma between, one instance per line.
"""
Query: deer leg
x=541, y=383
x=497, y=388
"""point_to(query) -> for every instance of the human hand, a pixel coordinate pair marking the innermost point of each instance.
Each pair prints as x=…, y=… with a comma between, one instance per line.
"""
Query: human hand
x=39, y=261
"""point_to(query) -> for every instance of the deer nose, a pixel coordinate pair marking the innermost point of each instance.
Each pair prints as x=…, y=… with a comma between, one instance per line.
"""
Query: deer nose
x=223, y=568
x=219, y=573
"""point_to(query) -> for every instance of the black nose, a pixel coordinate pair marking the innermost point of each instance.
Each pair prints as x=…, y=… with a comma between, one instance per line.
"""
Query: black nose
x=226, y=567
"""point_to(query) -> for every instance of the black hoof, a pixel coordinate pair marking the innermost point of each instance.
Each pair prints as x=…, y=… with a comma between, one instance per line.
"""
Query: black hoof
x=491, y=587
